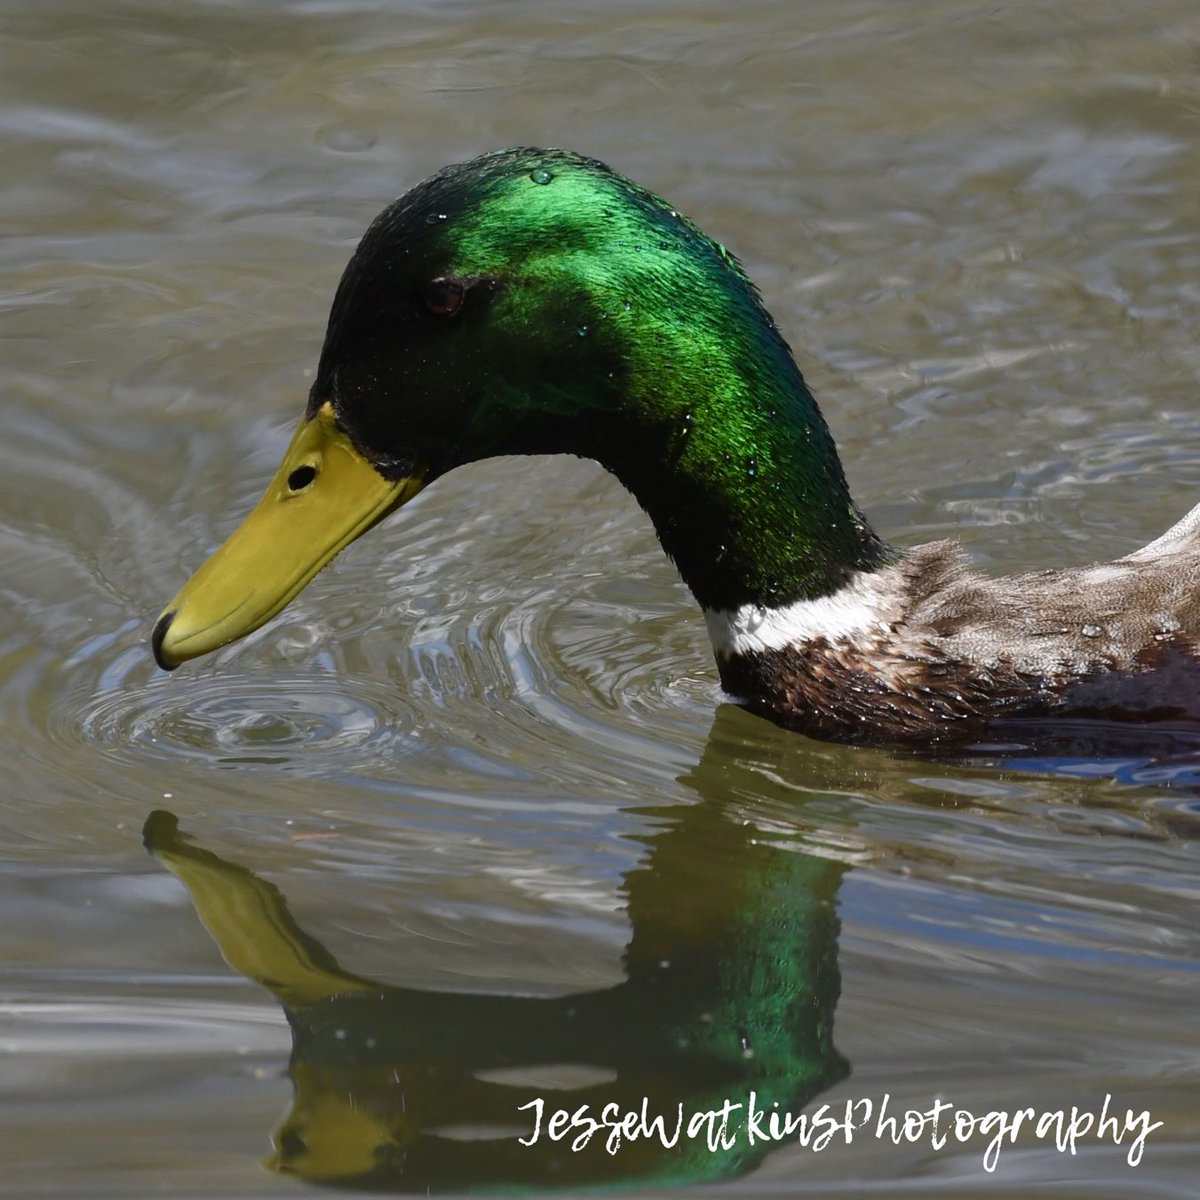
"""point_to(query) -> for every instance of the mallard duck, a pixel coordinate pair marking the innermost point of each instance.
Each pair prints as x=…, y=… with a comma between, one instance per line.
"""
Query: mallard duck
x=535, y=301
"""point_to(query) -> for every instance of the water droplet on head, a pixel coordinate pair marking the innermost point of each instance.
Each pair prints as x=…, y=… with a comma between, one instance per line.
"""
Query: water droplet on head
x=726, y=456
x=751, y=466
x=1091, y=631
x=684, y=425
x=627, y=305
x=540, y=175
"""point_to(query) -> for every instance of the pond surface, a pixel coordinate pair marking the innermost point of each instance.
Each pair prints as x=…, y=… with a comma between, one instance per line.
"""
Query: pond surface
x=487, y=747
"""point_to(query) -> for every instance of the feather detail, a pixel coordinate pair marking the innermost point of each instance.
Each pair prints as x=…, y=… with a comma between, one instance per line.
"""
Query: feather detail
x=928, y=648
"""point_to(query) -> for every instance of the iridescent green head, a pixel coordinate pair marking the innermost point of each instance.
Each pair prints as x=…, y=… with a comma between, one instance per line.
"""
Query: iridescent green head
x=534, y=301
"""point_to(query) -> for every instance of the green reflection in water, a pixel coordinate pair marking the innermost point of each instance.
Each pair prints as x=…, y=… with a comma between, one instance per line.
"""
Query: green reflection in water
x=731, y=984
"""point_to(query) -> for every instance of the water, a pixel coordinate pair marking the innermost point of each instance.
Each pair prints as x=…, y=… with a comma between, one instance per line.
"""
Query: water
x=495, y=723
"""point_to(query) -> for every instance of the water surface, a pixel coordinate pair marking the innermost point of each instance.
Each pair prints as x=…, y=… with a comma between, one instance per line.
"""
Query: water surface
x=454, y=753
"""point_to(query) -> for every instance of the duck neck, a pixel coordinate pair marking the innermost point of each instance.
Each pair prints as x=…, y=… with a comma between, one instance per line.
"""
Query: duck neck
x=742, y=480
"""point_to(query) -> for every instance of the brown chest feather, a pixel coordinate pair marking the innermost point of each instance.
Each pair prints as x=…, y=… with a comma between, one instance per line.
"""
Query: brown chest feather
x=844, y=693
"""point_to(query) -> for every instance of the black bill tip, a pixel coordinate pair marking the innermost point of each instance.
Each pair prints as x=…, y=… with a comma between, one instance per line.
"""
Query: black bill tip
x=156, y=640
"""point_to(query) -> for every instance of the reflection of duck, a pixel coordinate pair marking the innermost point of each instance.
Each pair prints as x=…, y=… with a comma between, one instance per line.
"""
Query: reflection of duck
x=731, y=986
x=534, y=301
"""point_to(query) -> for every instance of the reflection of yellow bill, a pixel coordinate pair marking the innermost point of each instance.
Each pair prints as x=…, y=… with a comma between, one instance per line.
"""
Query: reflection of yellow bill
x=323, y=496
x=326, y=1135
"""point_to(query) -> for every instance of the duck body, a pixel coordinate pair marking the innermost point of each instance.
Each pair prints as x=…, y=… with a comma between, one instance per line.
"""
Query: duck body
x=929, y=649
x=535, y=301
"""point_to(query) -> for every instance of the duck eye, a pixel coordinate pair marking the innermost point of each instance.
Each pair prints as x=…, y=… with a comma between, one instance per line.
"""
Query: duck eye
x=444, y=297
x=301, y=477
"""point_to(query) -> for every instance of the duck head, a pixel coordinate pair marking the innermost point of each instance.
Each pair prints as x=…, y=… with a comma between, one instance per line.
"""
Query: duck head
x=535, y=301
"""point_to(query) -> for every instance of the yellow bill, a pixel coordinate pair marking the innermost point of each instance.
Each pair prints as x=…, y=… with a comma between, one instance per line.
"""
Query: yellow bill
x=323, y=496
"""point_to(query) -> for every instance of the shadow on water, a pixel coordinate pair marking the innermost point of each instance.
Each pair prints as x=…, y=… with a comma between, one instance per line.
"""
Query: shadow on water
x=1162, y=754
x=730, y=989
x=1163, y=757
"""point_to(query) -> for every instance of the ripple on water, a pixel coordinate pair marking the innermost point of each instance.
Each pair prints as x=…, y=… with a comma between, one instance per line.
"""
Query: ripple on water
x=579, y=680
x=435, y=653
x=531, y=684
x=229, y=718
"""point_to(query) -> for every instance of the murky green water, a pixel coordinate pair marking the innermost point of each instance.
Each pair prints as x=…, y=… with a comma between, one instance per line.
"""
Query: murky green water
x=495, y=722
